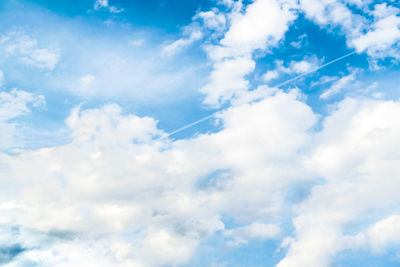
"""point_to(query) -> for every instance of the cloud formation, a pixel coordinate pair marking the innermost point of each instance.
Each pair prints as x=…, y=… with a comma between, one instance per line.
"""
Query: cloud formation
x=261, y=26
x=28, y=51
x=14, y=104
x=274, y=168
x=154, y=201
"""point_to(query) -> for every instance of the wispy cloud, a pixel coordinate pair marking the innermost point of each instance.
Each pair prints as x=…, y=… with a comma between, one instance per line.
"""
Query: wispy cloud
x=27, y=50
x=99, y=4
x=337, y=86
x=177, y=45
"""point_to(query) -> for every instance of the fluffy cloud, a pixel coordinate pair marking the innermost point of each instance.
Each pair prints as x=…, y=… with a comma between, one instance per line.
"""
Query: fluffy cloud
x=122, y=194
x=329, y=12
x=270, y=75
x=384, y=34
x=308, y=64
x=212, y=20
x=378, y=37
x=261, y=26
x=356, y=153
x=76, y=187
x=228, y=79
x=385, y=233
x=151, y=200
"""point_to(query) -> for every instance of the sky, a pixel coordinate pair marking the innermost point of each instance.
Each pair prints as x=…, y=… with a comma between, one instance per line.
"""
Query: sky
x=199, y=133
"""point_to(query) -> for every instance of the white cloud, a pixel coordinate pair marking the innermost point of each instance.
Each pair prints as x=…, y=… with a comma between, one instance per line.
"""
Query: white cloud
x=385, y=233
x=124, y=73
x=100, y=3
x=1, y=77
x=377, y=36
x=356, y=153
x=338, y=86
x=137, y=43
x=104, y=4
x=301, y=39
x=261, y=231
x=212, y=20
x=309, y=63
x=302, y=67
x=86, y=81
x=261, y=26
x=28, y=51
x=143, y=194
x=153, y=200
x=42, y=58
x=384, y=35
x=324, y=80
x=293, y=67
x=176, y=46
x=329, y=12
x=12, y=105
x=358, y=3
x=270, y=75
x=228, y=79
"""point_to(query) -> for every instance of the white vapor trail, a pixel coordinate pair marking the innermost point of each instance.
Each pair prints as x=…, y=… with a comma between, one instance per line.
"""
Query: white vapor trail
x=278, y=85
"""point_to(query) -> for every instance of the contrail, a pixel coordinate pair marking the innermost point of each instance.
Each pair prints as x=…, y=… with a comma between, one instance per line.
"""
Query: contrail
x=314, y=70
x=278, y=85
x=191, y=124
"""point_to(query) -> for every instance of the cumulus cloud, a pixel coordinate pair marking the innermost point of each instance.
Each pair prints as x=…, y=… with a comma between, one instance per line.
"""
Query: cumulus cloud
x=228, y=79
x=378, y=37
x=326, y=12
x=261, y=26
x=356, y=154
x=121, y=193
x=270, y=75
x=212, y=20
x=142, y=192
x=154, y=200
x=384, y=34
x=385, y=233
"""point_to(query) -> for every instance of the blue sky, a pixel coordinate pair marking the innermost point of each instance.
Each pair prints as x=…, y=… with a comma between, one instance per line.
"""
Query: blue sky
x=303, y=174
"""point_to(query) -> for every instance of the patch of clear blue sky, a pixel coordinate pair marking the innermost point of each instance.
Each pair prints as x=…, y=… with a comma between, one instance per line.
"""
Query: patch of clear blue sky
x=168, y=15
x=363, y=258
x=256, y=253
